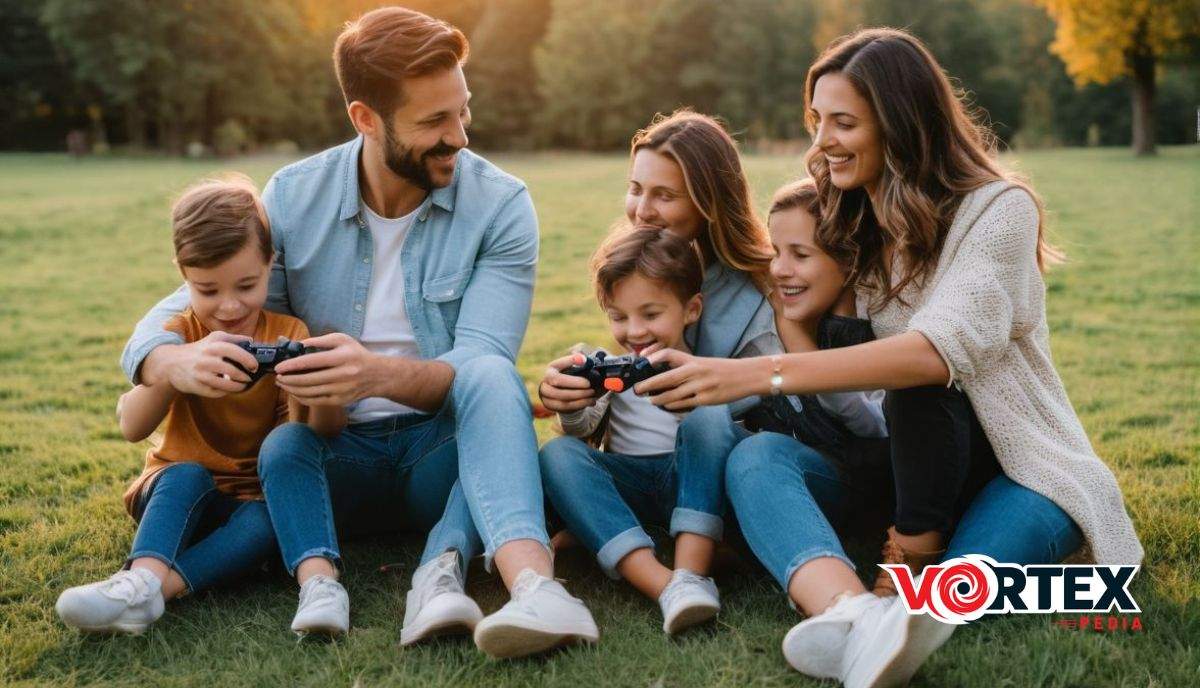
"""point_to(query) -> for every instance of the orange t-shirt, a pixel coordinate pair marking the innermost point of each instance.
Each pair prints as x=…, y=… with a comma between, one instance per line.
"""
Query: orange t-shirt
x=224, y=434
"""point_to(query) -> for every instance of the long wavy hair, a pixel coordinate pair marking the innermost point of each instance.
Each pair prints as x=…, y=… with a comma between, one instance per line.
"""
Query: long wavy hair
x=712, y=171
x=936, y=149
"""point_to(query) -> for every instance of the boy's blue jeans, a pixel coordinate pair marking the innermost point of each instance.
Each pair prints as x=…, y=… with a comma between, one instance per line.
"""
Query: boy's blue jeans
x=467, y=474
x=208, y=537
x=787, y=496
x=605, y=498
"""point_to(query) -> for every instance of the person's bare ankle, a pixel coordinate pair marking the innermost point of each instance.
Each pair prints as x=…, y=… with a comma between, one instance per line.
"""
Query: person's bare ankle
x=315, y=566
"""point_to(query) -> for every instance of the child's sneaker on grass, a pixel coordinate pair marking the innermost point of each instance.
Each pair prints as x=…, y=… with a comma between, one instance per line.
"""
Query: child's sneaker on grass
x=689, y=599
x=324, y=608
x=436, y=605
x=128, y=602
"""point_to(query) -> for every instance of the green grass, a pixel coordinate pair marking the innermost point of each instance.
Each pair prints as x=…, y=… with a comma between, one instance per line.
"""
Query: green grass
x=84, y=250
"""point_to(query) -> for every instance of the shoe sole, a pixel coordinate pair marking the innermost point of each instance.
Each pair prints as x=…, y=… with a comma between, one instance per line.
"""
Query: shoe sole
x=438, y=630
x=325, y=631
x=505, y=640
x=691, y=616
x=815, y=625
x=904, y=654
x=123, y=629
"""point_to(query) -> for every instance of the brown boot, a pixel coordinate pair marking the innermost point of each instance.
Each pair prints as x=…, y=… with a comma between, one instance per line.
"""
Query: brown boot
x=893, y=553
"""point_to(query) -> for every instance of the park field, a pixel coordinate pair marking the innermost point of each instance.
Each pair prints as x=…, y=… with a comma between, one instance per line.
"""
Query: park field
x=85, y=250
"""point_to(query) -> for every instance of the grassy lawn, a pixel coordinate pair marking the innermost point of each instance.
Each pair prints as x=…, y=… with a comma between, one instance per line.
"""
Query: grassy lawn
x=85, y=249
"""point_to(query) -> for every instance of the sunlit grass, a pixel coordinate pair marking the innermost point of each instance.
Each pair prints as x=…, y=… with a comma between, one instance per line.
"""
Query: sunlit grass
x=85, y=249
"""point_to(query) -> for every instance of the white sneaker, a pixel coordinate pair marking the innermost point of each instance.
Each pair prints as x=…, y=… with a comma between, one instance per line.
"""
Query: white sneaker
x=128, y=602
x=887, y=652
x=815, y=647
x=324, y=607
x=689, y=599
x=540, y=616
x=436, y=604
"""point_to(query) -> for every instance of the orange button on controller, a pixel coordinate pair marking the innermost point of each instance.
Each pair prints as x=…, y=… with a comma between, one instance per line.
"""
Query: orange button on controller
x=614, y=384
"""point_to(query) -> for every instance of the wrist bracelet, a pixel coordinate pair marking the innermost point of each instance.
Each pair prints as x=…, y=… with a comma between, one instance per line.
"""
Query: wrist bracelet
x=776, y=375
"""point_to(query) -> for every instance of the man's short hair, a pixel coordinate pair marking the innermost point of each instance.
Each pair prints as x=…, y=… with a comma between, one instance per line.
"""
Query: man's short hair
x=377, y=51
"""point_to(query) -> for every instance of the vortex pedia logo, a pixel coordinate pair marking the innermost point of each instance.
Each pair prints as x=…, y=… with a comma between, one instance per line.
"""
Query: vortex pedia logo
x=965, y=588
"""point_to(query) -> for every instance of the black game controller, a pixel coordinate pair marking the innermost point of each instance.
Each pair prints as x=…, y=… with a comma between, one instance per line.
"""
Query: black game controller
x=614, y=373
x=269, y=355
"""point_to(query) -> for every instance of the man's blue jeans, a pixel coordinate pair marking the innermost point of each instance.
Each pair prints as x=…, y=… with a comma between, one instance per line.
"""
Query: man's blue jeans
x=787, y=497
x=207, y=536
x=605, y=498
x=467, y=474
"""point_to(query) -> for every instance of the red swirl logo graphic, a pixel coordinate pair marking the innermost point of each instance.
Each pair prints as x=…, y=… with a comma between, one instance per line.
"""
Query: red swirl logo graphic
x=963, y=589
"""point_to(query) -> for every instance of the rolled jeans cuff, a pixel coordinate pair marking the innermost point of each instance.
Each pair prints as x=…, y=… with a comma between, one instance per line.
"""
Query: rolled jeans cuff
x=323, y=552
x=803, y=558
x=528, y=533
x=617, y=548
x=698, y=523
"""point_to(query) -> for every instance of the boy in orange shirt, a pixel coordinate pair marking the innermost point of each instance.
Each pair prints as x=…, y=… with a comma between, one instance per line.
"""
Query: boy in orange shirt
x=202, y=520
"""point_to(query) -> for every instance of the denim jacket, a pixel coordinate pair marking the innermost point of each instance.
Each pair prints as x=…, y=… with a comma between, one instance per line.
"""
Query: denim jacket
x=469, y=260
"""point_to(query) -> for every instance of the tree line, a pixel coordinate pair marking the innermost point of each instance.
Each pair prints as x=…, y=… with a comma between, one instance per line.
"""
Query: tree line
x=235, y=75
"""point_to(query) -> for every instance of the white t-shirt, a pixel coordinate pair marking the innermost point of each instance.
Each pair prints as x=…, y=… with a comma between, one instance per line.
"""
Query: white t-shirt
x=386, y=329
x=636, y=427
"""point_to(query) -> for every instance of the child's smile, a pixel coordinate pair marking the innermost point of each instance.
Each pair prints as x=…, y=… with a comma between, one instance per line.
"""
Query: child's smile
x=642, y=312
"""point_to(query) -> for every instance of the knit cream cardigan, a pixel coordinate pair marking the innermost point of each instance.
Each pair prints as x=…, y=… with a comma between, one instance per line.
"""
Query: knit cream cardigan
x=984, y=310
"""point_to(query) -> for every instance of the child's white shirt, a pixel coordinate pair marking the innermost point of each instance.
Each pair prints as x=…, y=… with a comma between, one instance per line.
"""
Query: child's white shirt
x=636, y=426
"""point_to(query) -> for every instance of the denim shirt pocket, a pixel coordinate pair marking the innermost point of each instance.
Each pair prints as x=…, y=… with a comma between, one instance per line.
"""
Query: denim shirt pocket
x=443, y=296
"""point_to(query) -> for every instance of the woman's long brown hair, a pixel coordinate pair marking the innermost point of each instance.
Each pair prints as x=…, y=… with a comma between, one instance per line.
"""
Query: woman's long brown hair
x=712, y=171
x=936, y=149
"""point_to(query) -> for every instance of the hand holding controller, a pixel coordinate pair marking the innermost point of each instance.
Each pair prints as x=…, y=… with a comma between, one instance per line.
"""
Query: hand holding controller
x=613, y=373
x=268, y=355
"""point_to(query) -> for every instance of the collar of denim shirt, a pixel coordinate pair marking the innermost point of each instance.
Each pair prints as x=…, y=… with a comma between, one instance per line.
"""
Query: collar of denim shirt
x=442, y=197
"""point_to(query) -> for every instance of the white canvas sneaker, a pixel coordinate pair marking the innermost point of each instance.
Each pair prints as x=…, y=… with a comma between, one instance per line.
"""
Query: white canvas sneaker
x=689, y=599
x=540, y=616
x=324, y=608
x=128, y=602
x=888, y=652
x=815, y=647
x=436, y=604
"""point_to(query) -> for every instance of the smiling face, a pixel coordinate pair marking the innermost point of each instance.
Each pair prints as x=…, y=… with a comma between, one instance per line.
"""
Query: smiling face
x=229, y=296
x=658, y=196
x=847, y=132
x=421, y=139
x=642, y=312
x=808, y=279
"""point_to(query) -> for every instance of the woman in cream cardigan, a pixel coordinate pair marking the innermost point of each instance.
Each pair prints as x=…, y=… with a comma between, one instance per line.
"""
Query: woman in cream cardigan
x=946, y=252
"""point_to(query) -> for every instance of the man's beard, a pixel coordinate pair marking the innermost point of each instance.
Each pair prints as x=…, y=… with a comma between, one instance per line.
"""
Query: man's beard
x=404, y=164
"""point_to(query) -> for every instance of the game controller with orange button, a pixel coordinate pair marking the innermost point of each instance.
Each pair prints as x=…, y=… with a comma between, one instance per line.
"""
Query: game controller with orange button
x=613, y=373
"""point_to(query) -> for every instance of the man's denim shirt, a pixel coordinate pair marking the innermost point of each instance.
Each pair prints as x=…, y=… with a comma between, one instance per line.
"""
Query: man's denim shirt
x=468, y=262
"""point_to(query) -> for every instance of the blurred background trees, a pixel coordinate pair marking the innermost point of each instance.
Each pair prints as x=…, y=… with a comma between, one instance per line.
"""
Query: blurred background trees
x=230, y=76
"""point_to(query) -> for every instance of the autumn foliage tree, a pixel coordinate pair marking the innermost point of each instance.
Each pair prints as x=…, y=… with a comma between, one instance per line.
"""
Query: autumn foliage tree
x=1101, y=40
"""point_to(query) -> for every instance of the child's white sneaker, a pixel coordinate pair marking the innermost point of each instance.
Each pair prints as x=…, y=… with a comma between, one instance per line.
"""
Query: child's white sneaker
x=689, y=599
x=890, y=649
x=436, y=605
x=324, y=607
x=541, y=616
x=816, y=646
x=128, y=602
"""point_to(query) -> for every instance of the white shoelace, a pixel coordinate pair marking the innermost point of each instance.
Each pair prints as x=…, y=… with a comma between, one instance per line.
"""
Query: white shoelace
x=527, y=583
x=127, y=586
x=443, y=578
x=320, y=589
x=680, y=581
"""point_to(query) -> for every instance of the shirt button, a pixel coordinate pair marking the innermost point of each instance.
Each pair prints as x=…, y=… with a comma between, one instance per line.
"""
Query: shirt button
x=366, y=260
x=358, y=306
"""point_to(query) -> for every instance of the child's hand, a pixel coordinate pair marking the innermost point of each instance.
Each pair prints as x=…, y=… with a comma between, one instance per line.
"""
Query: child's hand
x=564, y=393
